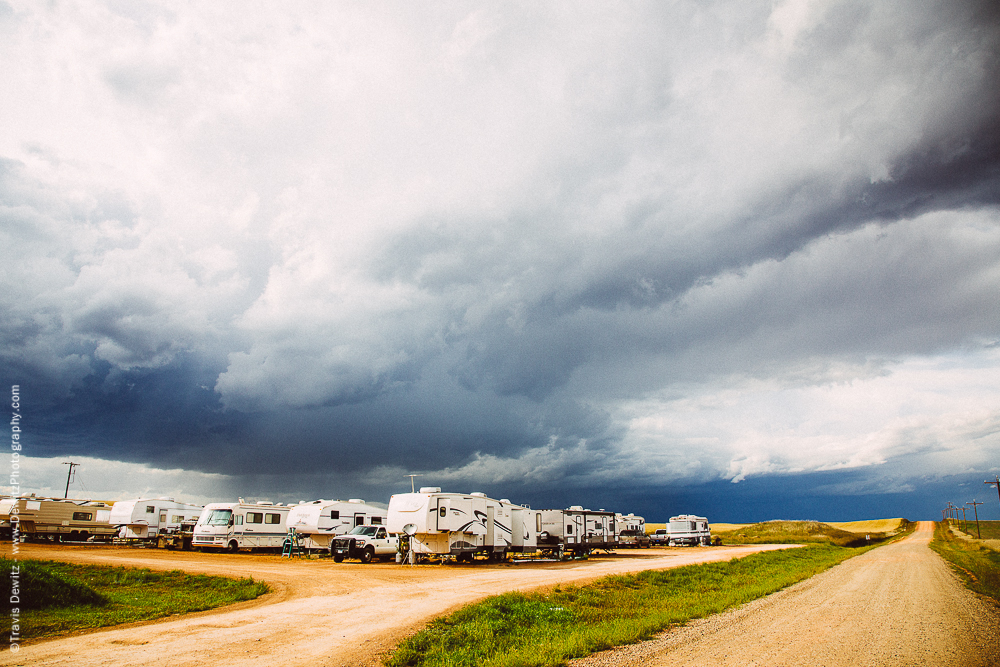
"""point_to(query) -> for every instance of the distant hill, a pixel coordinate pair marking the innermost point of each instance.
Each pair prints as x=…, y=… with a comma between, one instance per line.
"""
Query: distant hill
x=789, y=532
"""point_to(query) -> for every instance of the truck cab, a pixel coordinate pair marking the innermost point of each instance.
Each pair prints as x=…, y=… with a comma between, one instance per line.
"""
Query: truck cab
x=366, y=543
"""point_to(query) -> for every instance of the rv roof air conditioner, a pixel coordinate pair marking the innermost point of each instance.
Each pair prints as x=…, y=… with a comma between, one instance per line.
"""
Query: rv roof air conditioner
x=356, y=501
x=430, y=489
x=478, y=494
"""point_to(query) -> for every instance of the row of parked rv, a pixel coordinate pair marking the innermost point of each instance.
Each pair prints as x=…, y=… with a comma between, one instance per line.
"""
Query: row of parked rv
x=419, y=525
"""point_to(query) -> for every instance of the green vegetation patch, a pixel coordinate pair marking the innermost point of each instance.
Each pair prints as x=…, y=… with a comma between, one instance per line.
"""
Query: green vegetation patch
x=805, y=532
x=990, y=530
x=61, y=597
x=522, y=629
x=978, y=566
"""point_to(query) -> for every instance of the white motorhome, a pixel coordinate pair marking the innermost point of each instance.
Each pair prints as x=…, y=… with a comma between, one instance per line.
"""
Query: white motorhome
x=241, y=525
x=455, y=524
x=321, y=520
x=148, y=518
x=688, y=529
x=577, y=529
x=57, y=519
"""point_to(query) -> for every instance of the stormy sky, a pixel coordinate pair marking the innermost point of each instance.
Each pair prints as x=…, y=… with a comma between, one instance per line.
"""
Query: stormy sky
x=740, y=259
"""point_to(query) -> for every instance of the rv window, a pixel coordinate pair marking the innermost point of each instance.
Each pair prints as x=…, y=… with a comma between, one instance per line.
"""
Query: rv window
x=255, y=517
x=239, y=519
x=273, y=519
x=569, y=529
x=177, y=518
x=443, y=512
x=83, y=516
x=538, y=523
x=219, y=518
x=150, y=509
x=376, y=521
x=334, y=514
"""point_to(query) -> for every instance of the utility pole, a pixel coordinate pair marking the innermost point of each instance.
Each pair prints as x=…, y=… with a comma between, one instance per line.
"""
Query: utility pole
x=69, y=476
x=995, y=482
x=963, y=519
x=975, y=509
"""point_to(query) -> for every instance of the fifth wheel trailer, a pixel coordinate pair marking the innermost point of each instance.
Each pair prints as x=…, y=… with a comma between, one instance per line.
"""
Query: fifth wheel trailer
x=145, y=519
x=320, y=521
x=452, y=524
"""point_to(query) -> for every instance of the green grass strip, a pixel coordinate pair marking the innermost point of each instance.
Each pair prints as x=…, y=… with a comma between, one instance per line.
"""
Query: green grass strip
x=536, y=629
x=990, y=530
x=61, y=597
x=978, y=567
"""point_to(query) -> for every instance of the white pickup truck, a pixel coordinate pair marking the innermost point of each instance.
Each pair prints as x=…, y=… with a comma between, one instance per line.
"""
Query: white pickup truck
x=365, y=543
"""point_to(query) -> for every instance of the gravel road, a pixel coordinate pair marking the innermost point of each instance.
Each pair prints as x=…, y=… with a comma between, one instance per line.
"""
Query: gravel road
x=320, y=613
x=895, y=605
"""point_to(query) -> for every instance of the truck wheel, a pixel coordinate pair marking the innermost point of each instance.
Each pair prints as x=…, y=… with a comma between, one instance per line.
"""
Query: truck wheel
x=367, y=555
x=234, y=547
x=338, y=559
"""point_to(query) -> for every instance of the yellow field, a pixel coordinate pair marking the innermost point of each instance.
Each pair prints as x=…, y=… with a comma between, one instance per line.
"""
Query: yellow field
x=723, y=527
x=870, y=526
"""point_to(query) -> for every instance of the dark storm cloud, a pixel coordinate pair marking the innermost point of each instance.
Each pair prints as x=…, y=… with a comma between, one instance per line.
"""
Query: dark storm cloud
x=599, y=245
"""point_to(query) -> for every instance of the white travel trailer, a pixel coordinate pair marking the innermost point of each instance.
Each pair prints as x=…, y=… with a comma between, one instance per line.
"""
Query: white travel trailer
x=526, y=524
x=577, y=530
x=57, y=519
x=241, y=525
x=455, y=524
x=688, y=529
x=320, y=521
x=148, y=518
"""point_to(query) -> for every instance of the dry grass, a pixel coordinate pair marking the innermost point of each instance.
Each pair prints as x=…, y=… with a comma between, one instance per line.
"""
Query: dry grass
x=723, y=527
x=870, y=526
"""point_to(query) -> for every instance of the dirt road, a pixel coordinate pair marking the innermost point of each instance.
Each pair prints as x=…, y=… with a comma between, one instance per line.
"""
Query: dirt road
x=320, y=613
x=896, y=605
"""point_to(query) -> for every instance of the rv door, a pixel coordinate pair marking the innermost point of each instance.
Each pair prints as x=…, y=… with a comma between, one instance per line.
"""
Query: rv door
x=442, y=514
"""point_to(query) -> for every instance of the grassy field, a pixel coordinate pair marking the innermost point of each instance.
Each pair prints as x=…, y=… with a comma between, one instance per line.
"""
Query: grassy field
x=978, y=566
x=989, y=529
x=805, y=532
x=542, y=629
x=59, y=597
x=870, y=526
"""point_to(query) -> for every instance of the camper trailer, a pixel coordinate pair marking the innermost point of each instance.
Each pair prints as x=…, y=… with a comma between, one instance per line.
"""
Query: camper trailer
x=321, y=520
x=451, y=524
x=687, y=529
x=526, y=524
x=146, y=519
x=57, y=519
x=630, y=531
x=241, y=525
x=576, y=530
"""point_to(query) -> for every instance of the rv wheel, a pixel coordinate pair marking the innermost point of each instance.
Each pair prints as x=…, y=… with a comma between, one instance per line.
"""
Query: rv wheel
x=234, y=547
x=367, y=555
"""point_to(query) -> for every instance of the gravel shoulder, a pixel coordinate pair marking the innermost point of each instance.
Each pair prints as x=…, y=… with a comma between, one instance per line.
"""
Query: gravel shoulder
x=320, y=613
x=896, y=605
